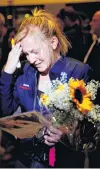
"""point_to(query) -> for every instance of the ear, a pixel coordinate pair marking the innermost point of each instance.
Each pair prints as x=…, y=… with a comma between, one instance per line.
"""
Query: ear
x=54, y=42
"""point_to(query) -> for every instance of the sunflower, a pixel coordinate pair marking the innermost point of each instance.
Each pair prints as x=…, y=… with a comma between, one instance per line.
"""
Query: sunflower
x=45, y=99
x=80, y=96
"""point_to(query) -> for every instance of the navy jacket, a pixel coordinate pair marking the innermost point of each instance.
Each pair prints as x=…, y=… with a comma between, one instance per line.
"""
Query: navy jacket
x=24, y=91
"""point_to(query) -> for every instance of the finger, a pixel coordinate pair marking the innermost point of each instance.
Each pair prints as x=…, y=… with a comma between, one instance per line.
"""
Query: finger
x=48, y=143
x=15, y=50
x=19, y=51
x=18, y=65
x=16, y=46
x=55, y=130
x=50, y=139
x=55, y=136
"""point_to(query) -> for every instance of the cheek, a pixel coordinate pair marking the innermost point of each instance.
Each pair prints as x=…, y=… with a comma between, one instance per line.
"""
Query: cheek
x=46, y=54
x=30, y=58
x=48, y=62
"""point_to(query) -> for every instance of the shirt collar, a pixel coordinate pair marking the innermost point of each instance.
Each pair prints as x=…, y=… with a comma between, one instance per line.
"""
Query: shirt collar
x=57, y=68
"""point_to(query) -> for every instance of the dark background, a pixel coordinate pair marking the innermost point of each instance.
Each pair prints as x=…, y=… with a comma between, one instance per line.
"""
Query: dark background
x=88, y=8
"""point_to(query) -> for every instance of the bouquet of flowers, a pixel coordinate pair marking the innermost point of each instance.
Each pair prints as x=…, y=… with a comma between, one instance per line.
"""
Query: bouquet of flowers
x=71, y=103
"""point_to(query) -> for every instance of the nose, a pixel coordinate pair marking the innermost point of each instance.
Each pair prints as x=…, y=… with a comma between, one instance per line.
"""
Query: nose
x=32, y=57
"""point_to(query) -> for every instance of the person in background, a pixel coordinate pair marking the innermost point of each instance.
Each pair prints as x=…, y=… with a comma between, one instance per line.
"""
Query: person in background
x=85, y=29
x=3, y=31
x=5, y=40
x=85, y=22
x=92, y=57
x=74, y=33
x=60, y=17
x=41, y=40
x=6, y=45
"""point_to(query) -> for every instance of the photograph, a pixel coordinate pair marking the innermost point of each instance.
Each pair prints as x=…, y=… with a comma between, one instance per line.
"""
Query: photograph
x=22, y=126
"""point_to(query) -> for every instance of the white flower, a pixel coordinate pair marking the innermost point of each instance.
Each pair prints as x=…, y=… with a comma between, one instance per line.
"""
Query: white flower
x=92, y=87
x=62, y=105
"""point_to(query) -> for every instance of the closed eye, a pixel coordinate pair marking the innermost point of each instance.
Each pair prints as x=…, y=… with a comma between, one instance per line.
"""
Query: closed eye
x=32, y=51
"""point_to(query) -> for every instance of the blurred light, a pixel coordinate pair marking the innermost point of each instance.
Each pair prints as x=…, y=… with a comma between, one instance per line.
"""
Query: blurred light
x=27, y=15
x=9, y=17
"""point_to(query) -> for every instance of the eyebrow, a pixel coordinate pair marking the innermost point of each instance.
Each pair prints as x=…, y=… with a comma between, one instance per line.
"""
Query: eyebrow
x=33, y=50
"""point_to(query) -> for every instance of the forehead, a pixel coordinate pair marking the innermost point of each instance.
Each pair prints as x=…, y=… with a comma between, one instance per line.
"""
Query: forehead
x=33, y=40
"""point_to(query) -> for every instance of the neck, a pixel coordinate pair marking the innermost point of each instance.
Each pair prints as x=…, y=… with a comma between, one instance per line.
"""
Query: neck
x=43, y=76
x=42, y=82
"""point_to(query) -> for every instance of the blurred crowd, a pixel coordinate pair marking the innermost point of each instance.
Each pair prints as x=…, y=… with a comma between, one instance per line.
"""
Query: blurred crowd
x=5, y=40
x=76, y=26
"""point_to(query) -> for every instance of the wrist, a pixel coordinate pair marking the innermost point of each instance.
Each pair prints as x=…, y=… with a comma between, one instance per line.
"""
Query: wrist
x=6, y=78
x=8, y=69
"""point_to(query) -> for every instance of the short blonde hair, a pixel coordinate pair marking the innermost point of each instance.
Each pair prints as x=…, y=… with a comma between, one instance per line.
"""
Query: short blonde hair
x=48, y=25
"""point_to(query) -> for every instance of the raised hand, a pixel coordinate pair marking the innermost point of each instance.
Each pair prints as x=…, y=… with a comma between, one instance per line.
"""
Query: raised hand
x=13, y=59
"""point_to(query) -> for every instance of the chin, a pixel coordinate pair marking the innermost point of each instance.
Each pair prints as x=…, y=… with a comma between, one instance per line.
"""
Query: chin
x=42, y=71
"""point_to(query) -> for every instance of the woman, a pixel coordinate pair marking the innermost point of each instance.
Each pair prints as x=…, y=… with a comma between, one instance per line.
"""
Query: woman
x=39, y=38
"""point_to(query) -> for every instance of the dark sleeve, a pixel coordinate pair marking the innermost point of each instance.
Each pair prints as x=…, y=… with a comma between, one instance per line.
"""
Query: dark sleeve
x=8, y=95
x=86, y=73
x=79, y=70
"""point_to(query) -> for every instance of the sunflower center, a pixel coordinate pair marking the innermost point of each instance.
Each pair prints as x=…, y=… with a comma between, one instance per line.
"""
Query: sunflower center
x=78, y=95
